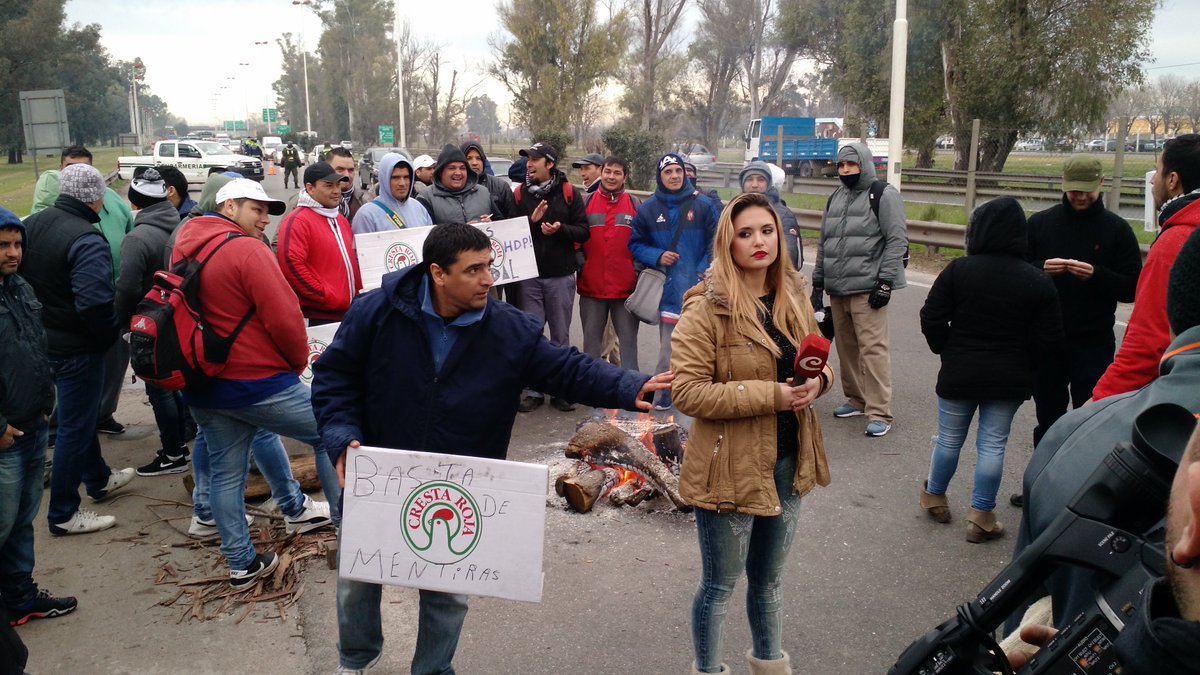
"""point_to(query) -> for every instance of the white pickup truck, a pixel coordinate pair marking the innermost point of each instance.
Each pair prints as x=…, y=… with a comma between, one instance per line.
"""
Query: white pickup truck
x=195, y=158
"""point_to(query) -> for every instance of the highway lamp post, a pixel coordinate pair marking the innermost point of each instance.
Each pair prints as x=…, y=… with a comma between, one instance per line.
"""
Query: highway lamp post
x=246, y=100
x=304, y=58
x=400, y=78
x=896, y=115
x=267, y=97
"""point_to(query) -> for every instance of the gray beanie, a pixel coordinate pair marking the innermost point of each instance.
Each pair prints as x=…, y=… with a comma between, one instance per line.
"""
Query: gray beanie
x=83, y=182
x=755, y=167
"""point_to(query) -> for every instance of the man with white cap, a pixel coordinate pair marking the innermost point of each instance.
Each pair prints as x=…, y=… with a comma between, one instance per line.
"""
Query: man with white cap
x=260, y=384
x=69, y=264
x=423, y=172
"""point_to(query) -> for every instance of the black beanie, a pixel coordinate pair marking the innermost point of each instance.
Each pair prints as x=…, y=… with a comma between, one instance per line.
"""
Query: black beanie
x=1183, y=290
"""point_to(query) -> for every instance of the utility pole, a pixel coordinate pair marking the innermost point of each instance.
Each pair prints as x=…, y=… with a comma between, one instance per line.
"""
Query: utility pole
x=400, y=79
x=896, y=115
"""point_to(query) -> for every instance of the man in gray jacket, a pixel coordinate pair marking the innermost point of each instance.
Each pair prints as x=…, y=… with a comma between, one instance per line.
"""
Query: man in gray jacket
x=456, y=195
x=859, y=263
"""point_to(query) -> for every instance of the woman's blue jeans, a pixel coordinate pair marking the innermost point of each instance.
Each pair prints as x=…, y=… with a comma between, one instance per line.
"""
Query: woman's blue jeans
x=954, y=419
x=730, y=543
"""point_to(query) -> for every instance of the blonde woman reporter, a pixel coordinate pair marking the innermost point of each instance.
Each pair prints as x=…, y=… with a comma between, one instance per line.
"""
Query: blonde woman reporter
x=755, y=446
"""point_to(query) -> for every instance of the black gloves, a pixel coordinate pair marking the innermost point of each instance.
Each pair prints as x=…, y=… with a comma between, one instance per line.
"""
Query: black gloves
x=881, y=295
x=817, y=298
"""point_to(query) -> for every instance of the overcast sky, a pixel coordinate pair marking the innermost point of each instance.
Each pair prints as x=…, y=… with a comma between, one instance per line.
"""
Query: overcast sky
x=191, y=48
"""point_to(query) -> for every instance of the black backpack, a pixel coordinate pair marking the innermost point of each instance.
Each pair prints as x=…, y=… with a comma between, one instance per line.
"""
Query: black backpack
x=171, y=344
x=874, y=194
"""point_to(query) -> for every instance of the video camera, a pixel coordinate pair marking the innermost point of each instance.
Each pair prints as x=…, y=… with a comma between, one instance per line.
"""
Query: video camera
x=1112, y=525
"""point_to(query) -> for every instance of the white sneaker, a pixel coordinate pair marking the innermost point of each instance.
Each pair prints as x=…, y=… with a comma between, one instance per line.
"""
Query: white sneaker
x=346, y=670
x=116, y=481
x=314, y=516
x=202, y=529
x=82, y=522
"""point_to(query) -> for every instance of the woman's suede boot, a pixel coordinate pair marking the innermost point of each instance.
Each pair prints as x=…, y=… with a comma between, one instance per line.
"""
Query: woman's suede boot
x=982, y=526
x=935, y=505
x=780, y=666
x=723, y=671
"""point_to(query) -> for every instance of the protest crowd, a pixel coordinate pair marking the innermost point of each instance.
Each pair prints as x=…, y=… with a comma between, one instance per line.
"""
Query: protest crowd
x=1028, y=313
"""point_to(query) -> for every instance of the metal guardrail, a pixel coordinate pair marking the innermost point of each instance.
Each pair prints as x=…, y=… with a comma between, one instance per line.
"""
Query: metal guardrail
x=110, y=178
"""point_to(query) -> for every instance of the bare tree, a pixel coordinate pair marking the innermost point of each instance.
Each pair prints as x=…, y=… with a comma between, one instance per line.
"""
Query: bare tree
x=655, y=22
x=1167, y=102
x=446, y=102
x=1192, y=105
x=715, y=57
x=767, y=59
x=1130, y=103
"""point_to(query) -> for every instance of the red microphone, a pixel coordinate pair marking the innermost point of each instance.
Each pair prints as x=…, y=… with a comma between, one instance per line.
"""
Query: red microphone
x=810, y=358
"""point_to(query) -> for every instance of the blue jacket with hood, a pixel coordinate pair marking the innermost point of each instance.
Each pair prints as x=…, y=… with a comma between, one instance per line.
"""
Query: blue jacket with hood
x=654, y=228
x=377, y=382
x=372, y=217
x=26, y=386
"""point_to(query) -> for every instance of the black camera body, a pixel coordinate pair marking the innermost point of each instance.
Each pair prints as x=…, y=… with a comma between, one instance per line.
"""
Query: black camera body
x=1112, y=525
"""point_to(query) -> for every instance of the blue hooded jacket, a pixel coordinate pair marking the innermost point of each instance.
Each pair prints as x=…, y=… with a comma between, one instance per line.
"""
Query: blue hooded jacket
x=654, y=228
x=372, y=217
x=26, y=386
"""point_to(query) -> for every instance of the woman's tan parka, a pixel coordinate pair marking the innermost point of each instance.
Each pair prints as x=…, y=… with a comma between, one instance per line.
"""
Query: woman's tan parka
x=725, y=380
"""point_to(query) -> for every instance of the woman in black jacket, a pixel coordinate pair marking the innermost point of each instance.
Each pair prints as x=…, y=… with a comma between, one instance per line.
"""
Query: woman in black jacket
x=991, y=316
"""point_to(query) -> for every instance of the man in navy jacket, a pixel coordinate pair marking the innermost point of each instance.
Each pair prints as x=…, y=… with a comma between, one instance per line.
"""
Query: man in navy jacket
x=427, y=363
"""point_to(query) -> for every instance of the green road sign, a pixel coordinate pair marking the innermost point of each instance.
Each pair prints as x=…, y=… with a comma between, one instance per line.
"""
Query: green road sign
x=386, y=135
x=283, y=129
x=269, y=114
x=229, y=125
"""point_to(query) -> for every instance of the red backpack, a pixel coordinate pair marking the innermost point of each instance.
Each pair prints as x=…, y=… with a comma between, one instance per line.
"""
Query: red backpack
x=171, y=344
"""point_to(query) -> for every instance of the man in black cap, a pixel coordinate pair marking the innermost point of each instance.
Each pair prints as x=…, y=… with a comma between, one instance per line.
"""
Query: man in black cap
x=557, y=221
x=590, y=167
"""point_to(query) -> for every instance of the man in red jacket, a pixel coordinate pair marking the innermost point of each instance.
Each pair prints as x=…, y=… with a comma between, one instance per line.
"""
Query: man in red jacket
x=315, y=247
x=260, y=386
x=1176, y=186
x=607, y=276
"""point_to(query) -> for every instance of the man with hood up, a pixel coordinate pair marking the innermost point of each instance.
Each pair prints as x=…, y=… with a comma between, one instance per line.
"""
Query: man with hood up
x=142, y=255
x=557, y=221
x=456, y=195
x=395, y=208
x=756, y=177
x=859, y=262
x=501, y=191
x=675, y=205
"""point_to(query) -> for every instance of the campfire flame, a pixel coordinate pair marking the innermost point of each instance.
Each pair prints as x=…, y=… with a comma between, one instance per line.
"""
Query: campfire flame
x=642, y=427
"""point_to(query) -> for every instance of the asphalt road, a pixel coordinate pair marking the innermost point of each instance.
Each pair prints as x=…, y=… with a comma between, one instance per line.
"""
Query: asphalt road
x=868, y=572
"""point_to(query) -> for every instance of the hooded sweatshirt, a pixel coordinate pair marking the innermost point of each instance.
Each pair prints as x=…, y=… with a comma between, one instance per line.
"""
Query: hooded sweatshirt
x=502, y=192
x=468, y=203
x=385, y=212
x=26, y=386
x=654, y=228
x=787, y=219
x=142, y=254
x=992, y=335
x=856, y=249
x=315, y=248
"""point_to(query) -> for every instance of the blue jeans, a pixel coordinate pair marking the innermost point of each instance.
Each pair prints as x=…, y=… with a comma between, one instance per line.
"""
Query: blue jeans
x=22, y=468
x=268, y=454
x=954, y=419
x=360, y=631
x=665, y=331
x=168, y=417
x=228, y=434
x=730, y=543
x=77, y=459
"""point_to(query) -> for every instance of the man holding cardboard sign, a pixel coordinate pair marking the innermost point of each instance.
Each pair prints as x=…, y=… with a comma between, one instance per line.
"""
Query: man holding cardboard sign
x=464, y=361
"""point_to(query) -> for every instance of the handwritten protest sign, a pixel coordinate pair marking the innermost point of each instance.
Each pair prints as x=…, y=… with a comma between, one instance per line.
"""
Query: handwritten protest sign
x=319, y=338
x=383, y=252
x=444, y=523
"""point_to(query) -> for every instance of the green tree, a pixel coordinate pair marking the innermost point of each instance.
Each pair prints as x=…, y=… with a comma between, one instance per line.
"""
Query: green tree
x=552, y=54
x=655, y=63
x=354, y=36
x=481, y=115
x=715, y=58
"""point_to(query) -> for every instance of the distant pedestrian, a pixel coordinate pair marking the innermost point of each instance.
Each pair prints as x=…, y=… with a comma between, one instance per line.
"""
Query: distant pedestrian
x=860, y=263
x=293, y=159
x=756, y=177
x=69, y=264
x=590, y=166
x=26, y=397
x=422, y=172
x=1094, y=259
x=993, y=339
x=177, y=190
x=711, y=194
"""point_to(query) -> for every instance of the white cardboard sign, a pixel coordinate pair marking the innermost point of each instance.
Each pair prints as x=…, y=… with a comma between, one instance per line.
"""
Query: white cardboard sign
x=444, y=522
x=319, y=337
x=391, y=250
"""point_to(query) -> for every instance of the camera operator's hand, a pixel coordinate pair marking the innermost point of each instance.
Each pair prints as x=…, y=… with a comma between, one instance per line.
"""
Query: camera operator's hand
x=881, y=295
x=1036, y=635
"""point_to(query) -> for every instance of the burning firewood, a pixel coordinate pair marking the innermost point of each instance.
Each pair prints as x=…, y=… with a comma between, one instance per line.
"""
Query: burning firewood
x=582, y=490
x=601, y=444
x=630, y=494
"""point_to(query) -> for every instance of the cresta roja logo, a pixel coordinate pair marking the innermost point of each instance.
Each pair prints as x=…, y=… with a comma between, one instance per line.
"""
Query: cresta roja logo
x=399, y=255
x=441, y=522
x=497, y=252
x=315, y=349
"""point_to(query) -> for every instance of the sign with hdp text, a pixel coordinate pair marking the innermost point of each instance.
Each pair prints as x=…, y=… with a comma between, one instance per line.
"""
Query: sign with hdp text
x=319, y=338
x=444, y=523
x=382, y=252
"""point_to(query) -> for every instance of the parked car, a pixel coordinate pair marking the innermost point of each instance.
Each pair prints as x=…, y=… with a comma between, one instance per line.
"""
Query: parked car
x=368, y=166
x=347, y=145
x=500, y=166
x=1030, y=145
x=945, y=141
x=701, y=157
